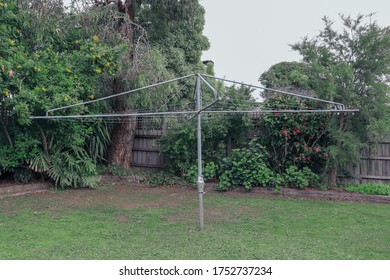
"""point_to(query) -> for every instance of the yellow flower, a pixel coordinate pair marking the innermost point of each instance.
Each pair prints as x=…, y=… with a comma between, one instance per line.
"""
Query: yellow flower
x=91, y=97
x=110, y=59
x=68, y=70
x=43, y=89
x=95, y=38
x=48, y=49
x=107, y=64
x=18, y=67
x=66, y=99
x=91, y=49
x=98, y=70
x=6, y=93
x=99, y=56
x=1, y=4
x=11, y=42
x=77, y=42
x=37, y=69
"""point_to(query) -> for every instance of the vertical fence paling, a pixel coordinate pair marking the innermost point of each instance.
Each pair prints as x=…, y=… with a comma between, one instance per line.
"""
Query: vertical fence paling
x=147, y=149
x=374, y=167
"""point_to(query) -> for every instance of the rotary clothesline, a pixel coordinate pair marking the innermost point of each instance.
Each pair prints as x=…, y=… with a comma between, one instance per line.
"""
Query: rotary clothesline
x=216, y=104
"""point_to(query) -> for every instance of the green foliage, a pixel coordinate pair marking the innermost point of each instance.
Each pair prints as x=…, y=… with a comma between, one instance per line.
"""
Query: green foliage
x=98, y=141
x=72, y=167
x=23, y=175
x=286, y=74
x=247, y=168
x=180, y=147
x=378, y=189
x=351, y=67
x=40, y=69
x=209, y=172
x=179, y=144
x=176, y=29
x=300, y=178
x=23, y=149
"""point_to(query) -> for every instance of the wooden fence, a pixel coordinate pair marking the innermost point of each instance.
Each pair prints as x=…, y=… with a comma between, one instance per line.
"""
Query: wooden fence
x=374, y=167
x=147, y=150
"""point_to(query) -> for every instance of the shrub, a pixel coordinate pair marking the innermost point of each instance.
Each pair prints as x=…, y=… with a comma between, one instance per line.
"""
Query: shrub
x=294, y=139
x=209, y=173
x=294, y=177
x=41, y=70
x=180, y=147
x=22, y=175
x=73, y=168
x=246, y=168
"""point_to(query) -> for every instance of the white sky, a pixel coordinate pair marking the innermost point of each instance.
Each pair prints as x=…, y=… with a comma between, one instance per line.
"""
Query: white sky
x=249, y=36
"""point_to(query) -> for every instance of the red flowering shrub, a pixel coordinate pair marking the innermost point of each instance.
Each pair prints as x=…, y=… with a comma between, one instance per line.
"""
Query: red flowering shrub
x=294, y=138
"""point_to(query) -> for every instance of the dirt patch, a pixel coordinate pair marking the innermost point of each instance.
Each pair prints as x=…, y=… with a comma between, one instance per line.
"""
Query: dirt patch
x=126, y=193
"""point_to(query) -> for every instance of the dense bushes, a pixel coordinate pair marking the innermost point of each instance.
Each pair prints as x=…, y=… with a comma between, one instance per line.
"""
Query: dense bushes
x=289, y=149
x=294, y=139
x=246, y=167
x=52, y=70
x=251, y=167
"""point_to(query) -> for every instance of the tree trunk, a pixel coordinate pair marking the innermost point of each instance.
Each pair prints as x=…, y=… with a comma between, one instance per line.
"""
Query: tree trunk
x=122, y=138
x=121, y=149
x=6, y=133
x=332, y=178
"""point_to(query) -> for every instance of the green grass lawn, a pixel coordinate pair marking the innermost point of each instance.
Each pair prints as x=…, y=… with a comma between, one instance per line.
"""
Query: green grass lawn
x=163, y=226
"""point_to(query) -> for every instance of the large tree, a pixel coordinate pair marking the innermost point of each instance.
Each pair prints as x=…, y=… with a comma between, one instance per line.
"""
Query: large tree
x=351, y=66
x=164, y=39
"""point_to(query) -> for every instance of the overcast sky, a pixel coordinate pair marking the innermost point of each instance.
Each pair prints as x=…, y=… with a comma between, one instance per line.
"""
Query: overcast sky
x=248, y=36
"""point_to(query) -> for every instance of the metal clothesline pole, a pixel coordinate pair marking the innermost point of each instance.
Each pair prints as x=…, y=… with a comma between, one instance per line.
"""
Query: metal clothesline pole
x=200, y=181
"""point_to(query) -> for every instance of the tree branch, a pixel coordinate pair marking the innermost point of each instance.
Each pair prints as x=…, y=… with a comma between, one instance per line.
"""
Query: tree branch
x=6, y=133
x=44, y=140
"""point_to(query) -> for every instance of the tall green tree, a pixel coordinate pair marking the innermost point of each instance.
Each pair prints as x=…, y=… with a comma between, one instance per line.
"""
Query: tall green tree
x=351, y=66
x=169, y=35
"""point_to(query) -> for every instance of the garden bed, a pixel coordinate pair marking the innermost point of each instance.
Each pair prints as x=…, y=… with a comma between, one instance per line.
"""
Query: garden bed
x=9, y=188
x=333, y=195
